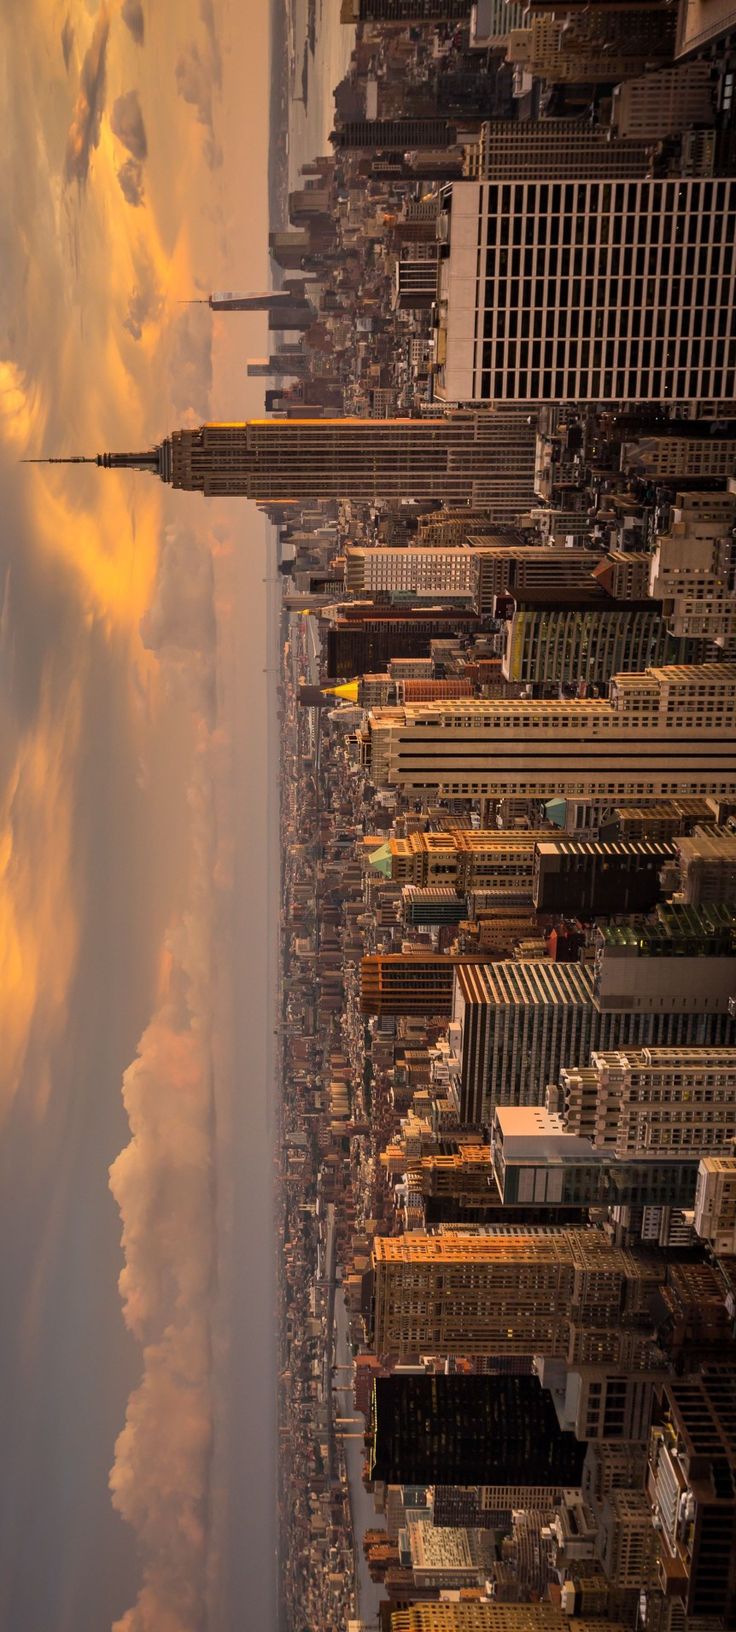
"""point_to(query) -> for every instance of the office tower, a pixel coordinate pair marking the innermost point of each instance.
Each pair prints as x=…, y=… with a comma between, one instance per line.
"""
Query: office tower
x=683, y=451
x=652, y=106
x=651, y=1101
x=520, y=1022
x=395, y=135
x=681, y=958
x=595, y=877
x=530, y=568
x=364, y=638
x=692, y=1479
x=667, y=731
x=404, y=11
x=706, y=861
x=469, y=859
x=625, y=574
x=536, y=1159
x=594, y=45
x=422, y=573
x=415, y=281
x=626, y=1543
x=562, y=636
x=612, y=1467
x=486, y=456
x=484, y=1507
x=557, y=149
x=230, y=300
x=407, y=983
x=560, y=1292
x=629, y=310
x=463, y=1175
x=426, y=905
x=715, y=1203
x=693, y=567
x=444, y=1430
x=491, y=1616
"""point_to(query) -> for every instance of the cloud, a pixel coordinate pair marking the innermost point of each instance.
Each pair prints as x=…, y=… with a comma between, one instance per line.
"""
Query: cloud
x=67, y=42
x=84, y=131
x=190, y=363
x=126, y=121
x=198, y=75
x=130, y=177
x=146, y=302
x=180, y=625
x=207, y=14
x=163, y=1182
x=132, y=14
x=194, y=81
x=181, y=617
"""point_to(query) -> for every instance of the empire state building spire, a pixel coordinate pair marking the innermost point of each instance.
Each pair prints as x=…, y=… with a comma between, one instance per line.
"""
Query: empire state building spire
x=156, y=460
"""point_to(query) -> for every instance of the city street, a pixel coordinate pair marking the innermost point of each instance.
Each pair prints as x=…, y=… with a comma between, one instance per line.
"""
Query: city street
x=361, y=1503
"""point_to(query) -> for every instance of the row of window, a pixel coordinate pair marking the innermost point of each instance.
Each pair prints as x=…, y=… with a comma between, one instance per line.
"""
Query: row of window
x=614, y=386
x=560, y=292
x=618, y=321
x=573, y=235
x=571, y=197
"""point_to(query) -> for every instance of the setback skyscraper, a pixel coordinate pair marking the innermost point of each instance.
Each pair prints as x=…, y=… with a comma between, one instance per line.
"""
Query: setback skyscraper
x=483, y=456
x=666, y=731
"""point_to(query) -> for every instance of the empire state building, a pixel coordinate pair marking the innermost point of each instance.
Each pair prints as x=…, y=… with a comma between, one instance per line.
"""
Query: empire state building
x=483, y=457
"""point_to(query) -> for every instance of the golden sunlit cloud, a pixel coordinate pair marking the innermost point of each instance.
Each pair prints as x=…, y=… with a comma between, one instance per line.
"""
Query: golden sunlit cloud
x=38, y=916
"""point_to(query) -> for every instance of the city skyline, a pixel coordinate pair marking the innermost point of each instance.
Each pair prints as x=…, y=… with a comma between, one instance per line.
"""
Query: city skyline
x=368, y=847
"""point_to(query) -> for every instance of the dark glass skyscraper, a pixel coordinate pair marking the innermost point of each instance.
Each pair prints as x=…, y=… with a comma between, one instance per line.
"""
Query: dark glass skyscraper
x=456, y=1430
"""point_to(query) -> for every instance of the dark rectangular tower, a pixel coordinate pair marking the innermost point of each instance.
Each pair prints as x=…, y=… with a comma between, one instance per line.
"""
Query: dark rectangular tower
x=455, y=1430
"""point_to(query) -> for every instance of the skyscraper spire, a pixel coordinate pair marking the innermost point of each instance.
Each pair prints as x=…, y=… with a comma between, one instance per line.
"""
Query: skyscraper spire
x=156, y=460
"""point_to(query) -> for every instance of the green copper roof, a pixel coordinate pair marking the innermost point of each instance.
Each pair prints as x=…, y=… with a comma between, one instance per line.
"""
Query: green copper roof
x=381, y=860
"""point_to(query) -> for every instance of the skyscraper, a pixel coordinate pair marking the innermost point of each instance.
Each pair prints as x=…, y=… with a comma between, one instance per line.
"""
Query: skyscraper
x=404, y=11
x=559, y=637
x=560, y=1292
x=557, y=149
x=521, y=1022
x=470, y=1431
x=654, y=1101
x=590, y=291
x=485, y=456
x=492, y=1616
x=394, y=134
x=407, y=983
x=667, y=731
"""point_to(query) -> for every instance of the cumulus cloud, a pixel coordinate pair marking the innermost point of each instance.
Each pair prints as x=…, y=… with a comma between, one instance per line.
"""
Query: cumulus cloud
x=130, y=178
x=84, y=131
x=126, y=121
x=163, y=1182
x=67, y=42
x=132, y=14
x=190, y=363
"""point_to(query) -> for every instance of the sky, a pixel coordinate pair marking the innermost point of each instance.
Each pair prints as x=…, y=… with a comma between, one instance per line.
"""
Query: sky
x=136, y=922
